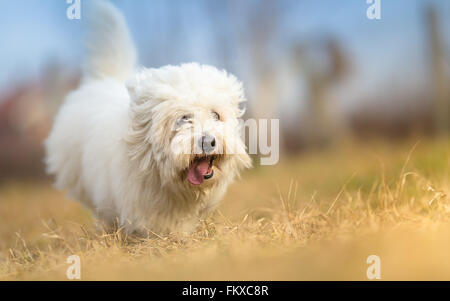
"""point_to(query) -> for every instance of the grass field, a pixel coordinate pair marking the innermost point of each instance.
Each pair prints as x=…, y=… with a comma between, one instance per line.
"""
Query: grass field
x=316, y=216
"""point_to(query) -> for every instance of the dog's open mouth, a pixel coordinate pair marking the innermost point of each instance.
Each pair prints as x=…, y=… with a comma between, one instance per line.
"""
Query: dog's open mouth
x=200, y=169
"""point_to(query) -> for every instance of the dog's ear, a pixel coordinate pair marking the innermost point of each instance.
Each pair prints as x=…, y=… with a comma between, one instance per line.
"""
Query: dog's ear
x=146, y=88
x=134, y=87
x=141, y=87
x=131, y=87
x=242, y=108
x=237, y=95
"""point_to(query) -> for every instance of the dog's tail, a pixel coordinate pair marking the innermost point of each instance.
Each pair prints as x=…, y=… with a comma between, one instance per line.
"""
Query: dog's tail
x=110, y=49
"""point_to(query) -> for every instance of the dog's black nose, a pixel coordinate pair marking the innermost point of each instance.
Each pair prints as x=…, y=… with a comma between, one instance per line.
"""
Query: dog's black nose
x=208, y=143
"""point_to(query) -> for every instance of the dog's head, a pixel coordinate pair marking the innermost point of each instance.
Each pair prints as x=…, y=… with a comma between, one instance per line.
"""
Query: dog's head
x=185, y=124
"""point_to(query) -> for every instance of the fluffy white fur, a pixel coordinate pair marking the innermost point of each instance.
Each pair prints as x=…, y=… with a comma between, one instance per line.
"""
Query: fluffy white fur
x=118, y=145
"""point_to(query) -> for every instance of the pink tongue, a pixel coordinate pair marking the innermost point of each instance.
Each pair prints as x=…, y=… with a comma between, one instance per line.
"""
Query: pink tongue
x=196, y=172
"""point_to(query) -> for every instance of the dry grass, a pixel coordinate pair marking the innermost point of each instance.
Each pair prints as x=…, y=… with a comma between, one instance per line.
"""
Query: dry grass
x=313, y=217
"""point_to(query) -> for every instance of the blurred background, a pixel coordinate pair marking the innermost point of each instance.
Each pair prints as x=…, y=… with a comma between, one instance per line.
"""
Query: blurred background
x=326, y=70
x=364, y=130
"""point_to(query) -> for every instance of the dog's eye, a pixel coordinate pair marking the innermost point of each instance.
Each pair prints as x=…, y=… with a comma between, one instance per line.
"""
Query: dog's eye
x=186, y=118
x=183, y=120
x=216, y=115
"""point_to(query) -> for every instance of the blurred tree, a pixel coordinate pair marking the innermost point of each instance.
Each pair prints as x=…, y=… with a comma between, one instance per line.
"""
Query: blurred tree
x=323, y=64
x=263, y=23
x=440, y=80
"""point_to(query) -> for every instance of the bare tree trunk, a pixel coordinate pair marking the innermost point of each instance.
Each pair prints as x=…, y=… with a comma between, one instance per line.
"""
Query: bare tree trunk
x=440, y=93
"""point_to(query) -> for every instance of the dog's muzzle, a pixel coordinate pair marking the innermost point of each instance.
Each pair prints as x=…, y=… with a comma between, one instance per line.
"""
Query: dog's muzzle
x=201, y=166
x=207, y=143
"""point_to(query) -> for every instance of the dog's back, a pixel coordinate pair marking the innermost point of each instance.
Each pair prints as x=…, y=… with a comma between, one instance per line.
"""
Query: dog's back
x=93, y=119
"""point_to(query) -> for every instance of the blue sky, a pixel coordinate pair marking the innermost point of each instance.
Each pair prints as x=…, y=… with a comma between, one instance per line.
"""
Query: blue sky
x=172, y=31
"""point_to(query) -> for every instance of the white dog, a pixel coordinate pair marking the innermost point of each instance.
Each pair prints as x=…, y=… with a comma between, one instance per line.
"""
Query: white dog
x=154, y=149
